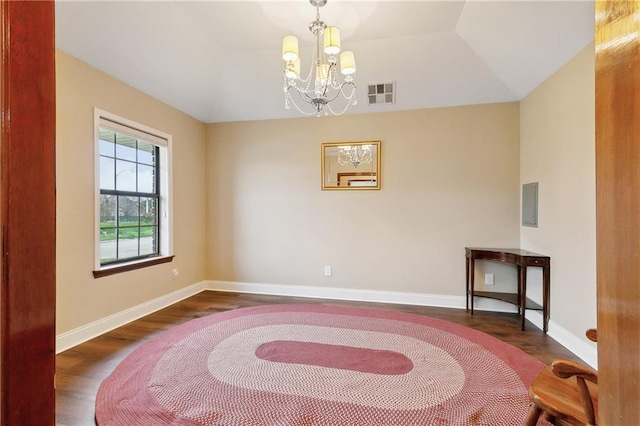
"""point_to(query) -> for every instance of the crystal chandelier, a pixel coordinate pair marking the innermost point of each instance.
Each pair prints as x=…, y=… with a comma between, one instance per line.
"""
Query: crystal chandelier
x=322, y=89
x=354, y=155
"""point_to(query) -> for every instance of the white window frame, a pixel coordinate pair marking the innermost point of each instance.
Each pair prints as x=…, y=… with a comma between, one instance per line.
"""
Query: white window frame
x=163, y=140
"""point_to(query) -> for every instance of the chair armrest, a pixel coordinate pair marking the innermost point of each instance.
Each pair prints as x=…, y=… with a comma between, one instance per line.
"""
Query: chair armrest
x=565, y=368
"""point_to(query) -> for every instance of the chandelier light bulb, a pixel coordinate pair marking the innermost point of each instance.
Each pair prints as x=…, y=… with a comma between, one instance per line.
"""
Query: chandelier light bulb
x=332, y=41
x=289, y=48
x=347, y=63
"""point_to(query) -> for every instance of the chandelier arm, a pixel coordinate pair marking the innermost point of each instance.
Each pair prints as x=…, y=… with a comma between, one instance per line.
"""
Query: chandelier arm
x=317, y=106
x=330, y=74
x=339, y=91
x=340, y=112
x=306, y=97
x=300, y=109
x=346, y=106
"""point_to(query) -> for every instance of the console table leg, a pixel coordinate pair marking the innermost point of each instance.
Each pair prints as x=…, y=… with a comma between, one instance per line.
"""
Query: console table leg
x=523, y=295
x=471, y=281
x=519, y=288
x=466, y=294
x=546, y=289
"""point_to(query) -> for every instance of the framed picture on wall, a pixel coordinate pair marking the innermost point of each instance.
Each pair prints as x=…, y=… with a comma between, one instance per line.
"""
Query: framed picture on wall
x=351, y=165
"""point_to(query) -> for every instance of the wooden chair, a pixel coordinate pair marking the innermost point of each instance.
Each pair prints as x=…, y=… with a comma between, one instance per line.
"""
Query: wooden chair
x=566, y=393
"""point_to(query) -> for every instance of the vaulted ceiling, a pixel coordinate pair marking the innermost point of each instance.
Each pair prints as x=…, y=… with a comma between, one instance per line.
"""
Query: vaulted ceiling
x=220, y=60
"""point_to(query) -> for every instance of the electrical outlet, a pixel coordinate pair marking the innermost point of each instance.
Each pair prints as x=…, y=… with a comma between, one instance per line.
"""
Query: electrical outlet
x=175, y=274
x=488, y=279
x=327, y=271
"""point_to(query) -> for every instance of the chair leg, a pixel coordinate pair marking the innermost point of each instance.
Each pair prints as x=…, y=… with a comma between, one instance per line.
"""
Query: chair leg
x=534, y=415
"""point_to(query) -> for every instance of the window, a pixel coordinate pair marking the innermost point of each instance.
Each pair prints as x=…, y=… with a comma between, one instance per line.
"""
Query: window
x=132, y=195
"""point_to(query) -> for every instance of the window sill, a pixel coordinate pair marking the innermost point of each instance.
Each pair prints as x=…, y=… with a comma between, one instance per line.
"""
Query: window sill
x=112, y=270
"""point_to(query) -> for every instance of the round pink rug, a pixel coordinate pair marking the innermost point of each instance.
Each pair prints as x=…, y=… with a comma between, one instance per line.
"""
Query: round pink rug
x=319, y=365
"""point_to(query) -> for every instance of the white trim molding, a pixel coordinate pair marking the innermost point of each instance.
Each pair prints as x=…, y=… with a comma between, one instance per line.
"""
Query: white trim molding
x=335, y=293
x=79, y=335
x=361, y=295
x=583, y=349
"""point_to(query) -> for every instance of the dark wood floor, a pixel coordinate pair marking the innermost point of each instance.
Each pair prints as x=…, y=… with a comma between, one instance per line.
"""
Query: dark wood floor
x=81, y=369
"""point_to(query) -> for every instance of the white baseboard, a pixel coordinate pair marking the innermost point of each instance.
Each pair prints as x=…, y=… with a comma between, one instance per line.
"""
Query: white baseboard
x=79, y=335
x=575, y=344
x=358, y=295
x=585, y=350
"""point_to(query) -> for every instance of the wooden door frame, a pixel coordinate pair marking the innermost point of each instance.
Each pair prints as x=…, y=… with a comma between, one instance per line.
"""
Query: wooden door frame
x=617, y=60
x=27, y=213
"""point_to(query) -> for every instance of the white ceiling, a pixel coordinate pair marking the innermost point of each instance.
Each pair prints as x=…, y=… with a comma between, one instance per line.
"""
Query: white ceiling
x=220, y=60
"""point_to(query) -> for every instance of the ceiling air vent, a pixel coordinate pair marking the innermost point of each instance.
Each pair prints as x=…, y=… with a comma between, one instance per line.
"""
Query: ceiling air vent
x=382, y=93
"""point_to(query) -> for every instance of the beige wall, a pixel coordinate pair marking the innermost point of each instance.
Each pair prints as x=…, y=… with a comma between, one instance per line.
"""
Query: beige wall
x=557, y=137
x=82, y=299
x=450, y=179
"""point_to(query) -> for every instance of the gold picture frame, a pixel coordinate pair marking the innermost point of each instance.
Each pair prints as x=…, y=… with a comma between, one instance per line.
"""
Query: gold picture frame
x=351, y=165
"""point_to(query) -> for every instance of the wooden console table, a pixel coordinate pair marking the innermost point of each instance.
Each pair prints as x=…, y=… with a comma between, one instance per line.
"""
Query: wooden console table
x=522, y=259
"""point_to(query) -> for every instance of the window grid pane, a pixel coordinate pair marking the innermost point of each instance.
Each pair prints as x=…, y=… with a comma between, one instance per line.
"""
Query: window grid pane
x=126, y=176
x=148, y=240
x=126, y=147
x=107, y=173
x=146, y=179
x=146, y=153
